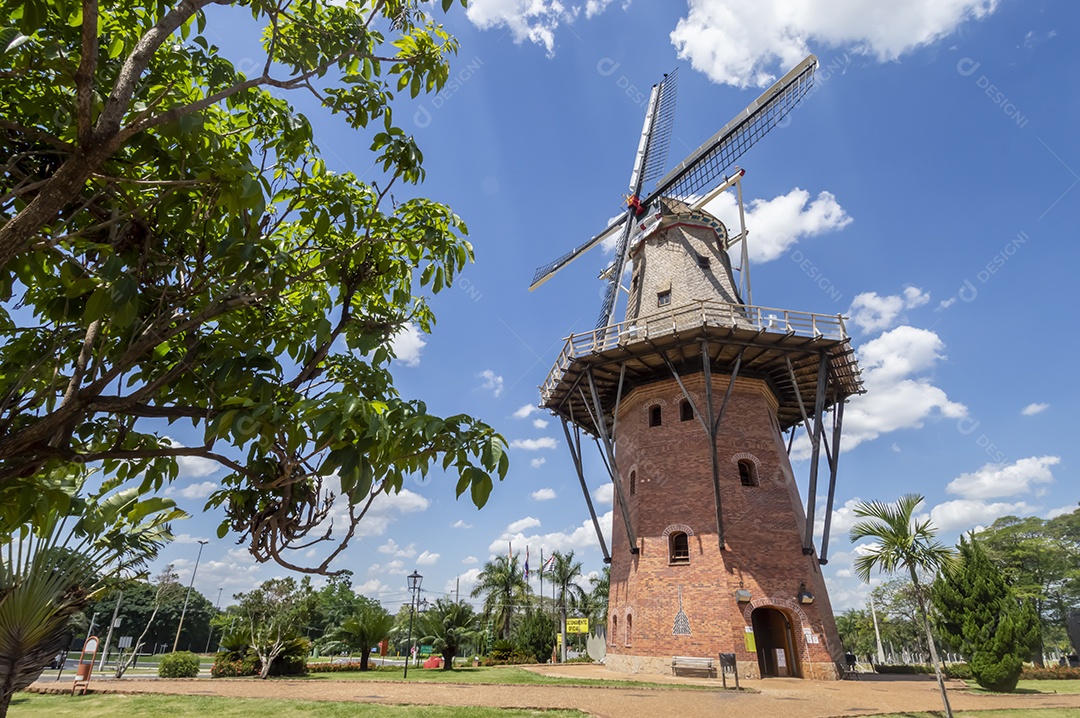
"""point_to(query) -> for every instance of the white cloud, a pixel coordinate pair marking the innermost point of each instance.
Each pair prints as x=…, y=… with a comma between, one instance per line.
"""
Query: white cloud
x=193, y=491
x=407, y=345
x=492, y=382
x=385, y=509
x=373, y=588
x=579, y=538
x=873, y=312
x=520, y=525
x=897, y=396
x=778, y=223
x=604, y=493
x=749, y=44
x=427, y=558
x=999, y=480
x=540, y=423
x=469, y=560
x=965, y=514
x=193, y=467
x=537, y=462
x=392, y=548
x=188, y=538
x=1033, y=409
x=1060, y=511
x=525, y=411
x=460, y=524
x=543, y=494
x=532, y=20
x=843, y=518
x=391, y=568
x=464, y=583
x=544, y=442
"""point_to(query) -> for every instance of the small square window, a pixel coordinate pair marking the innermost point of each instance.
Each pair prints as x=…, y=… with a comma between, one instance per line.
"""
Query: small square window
x=686, y=411
x=663, y=299
x=655, y=416
x=703, y=262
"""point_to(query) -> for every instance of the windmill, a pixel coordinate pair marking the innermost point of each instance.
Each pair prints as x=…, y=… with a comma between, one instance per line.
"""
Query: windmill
x=693, y=180
x=688, y=400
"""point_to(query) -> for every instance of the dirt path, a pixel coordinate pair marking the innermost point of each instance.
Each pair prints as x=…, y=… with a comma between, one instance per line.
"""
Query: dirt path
x=775, y=698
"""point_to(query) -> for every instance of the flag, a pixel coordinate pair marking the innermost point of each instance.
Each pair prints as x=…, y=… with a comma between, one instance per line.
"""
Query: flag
x=526, y=563
x=547, y=564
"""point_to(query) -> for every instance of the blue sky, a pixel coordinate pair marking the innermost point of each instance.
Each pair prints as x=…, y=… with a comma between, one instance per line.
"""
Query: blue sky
x=926, y=189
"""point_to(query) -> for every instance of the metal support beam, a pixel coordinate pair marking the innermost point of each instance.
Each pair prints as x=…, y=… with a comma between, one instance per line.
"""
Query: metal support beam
x=613, y=467
x=714, y=424
x=575, y=454
x=815, y=456
x=838, y=425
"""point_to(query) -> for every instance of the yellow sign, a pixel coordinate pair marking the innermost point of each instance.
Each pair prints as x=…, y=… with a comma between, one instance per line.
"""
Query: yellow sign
x=577, y=625
x=748, y=637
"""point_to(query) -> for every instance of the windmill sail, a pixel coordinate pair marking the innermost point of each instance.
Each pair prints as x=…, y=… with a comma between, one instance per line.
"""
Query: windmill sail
x=717, y=155
x=548, y=270
x=654, y=144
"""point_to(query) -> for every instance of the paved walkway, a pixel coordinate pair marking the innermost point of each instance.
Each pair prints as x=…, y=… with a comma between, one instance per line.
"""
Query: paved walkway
x=773, y=698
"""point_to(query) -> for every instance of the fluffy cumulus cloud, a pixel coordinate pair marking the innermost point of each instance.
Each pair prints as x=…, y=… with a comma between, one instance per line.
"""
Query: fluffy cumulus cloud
x=577, y=538
x=469, y=560
x=193, y=467
x=392, y=548
x=994, y=481
x=843, y=518
x=460, y=524
x=544, y=442
x=492, y=382
x=750, y=44
x=778, y=223
x=532, y=20
x=193, y=491
x=463, y=583
x=604, y=493
x=525, y=411
x=544, y=494
x=966, y=514
x=407, y=345
x=1060, y=511
x=540, y=423
x=898, y=395
x=537, y=462
x=1033, y=409
x=520, y=525
x=871, y=312
x=427, y=558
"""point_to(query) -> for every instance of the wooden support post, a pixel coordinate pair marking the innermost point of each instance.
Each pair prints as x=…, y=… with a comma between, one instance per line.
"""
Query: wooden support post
x=815, y=455
x=714, y=427
x=575, y=454
x=613, y=467
x=838, y=425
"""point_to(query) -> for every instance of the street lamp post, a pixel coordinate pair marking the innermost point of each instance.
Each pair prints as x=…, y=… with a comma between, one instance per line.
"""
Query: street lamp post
x=217, y=609
x=183, y=611
x=415, y=579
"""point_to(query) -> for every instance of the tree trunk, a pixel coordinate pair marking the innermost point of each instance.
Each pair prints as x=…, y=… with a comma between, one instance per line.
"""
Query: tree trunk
x=562, y=630
x=448, y=659
x=365, y=653
x=930, y=643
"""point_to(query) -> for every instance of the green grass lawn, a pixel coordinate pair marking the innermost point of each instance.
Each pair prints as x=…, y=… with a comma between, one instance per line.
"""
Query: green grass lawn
x=1025, y=686
x=508, y=675
x=107, y=706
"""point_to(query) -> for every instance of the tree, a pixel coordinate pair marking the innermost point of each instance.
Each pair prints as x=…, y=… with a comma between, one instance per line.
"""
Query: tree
x=276, y=613
x=449, y=626
x=564, y=572
x=67, y=547
x=503, y=586
x=168, y=586
x=897, y=604
x=901, y=542
x=177, y=250
x=856, y=630
x=1041, y=561
x=601, y=585
x=335, y=602
x=536, y=636
x=369, y=624
x=980, y=617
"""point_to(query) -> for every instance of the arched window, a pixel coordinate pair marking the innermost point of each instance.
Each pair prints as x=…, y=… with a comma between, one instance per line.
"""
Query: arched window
x=686, y=411
x=633, y=482
x=655, y=416
x=614, y=628
x=629, y=629
x=678, y=548
x=747, y=472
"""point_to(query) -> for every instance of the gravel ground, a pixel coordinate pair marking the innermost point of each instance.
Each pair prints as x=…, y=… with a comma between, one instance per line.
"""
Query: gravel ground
x=772, y=698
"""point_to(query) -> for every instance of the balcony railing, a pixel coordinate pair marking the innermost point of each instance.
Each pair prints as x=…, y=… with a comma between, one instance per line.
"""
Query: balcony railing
x=688, y=317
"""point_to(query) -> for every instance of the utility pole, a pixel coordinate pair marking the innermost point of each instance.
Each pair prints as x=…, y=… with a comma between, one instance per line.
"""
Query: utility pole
x=187, y=595
x=877, y=633
x=217, y=609
x=108, y=636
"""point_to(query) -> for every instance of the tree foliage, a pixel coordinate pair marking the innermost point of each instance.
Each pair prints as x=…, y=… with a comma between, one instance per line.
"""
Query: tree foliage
x=902, y=543
x=369, y=624
x=173, y=248
x=981, y=617
x=503, y=586
x=67, y=547
x=276, y=614
x=449, y=626
x=536, y=637
x=568, y=594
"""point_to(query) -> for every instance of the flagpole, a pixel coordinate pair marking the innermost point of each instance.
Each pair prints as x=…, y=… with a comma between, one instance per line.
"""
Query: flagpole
x=541, y=604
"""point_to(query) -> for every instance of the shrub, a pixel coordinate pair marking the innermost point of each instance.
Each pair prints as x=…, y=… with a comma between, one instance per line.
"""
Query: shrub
x=182, y=664
x=1050, y=673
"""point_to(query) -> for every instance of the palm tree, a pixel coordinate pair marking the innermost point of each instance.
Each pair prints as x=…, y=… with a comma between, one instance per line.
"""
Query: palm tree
x=365, y=629
x=568, y=594
x=447, y=627
x=503, y=585
x=601, y=585
x=58, y=556
x=903, y=542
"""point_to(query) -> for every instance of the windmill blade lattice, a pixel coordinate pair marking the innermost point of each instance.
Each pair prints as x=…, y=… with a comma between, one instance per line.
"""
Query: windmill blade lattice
x=718, y=154
x=656, y=151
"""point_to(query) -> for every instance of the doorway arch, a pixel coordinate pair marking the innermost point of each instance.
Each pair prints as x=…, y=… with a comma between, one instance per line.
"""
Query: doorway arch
x=777, y=651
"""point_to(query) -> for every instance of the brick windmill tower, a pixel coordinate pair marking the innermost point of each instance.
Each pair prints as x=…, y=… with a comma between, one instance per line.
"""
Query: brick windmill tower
x=690, y=398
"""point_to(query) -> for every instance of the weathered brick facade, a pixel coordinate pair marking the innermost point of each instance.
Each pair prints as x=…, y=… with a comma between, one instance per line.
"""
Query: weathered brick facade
x=672, y=492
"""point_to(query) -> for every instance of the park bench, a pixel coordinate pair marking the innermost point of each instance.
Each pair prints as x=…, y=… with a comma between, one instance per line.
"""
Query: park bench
x=690, y=664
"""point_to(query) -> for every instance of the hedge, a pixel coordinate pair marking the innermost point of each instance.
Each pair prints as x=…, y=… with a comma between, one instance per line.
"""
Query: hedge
x=182, y=664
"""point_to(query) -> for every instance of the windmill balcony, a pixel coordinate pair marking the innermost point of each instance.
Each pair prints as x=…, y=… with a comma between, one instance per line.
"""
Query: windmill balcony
x=709, y=318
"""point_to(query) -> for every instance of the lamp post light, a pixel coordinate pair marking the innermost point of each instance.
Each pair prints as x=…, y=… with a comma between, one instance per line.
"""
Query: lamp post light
x=187, y=595
x=217, y=609
x=415, y=579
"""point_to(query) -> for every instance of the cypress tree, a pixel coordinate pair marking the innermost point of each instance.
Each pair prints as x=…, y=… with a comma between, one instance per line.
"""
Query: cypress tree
x=980, y=616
